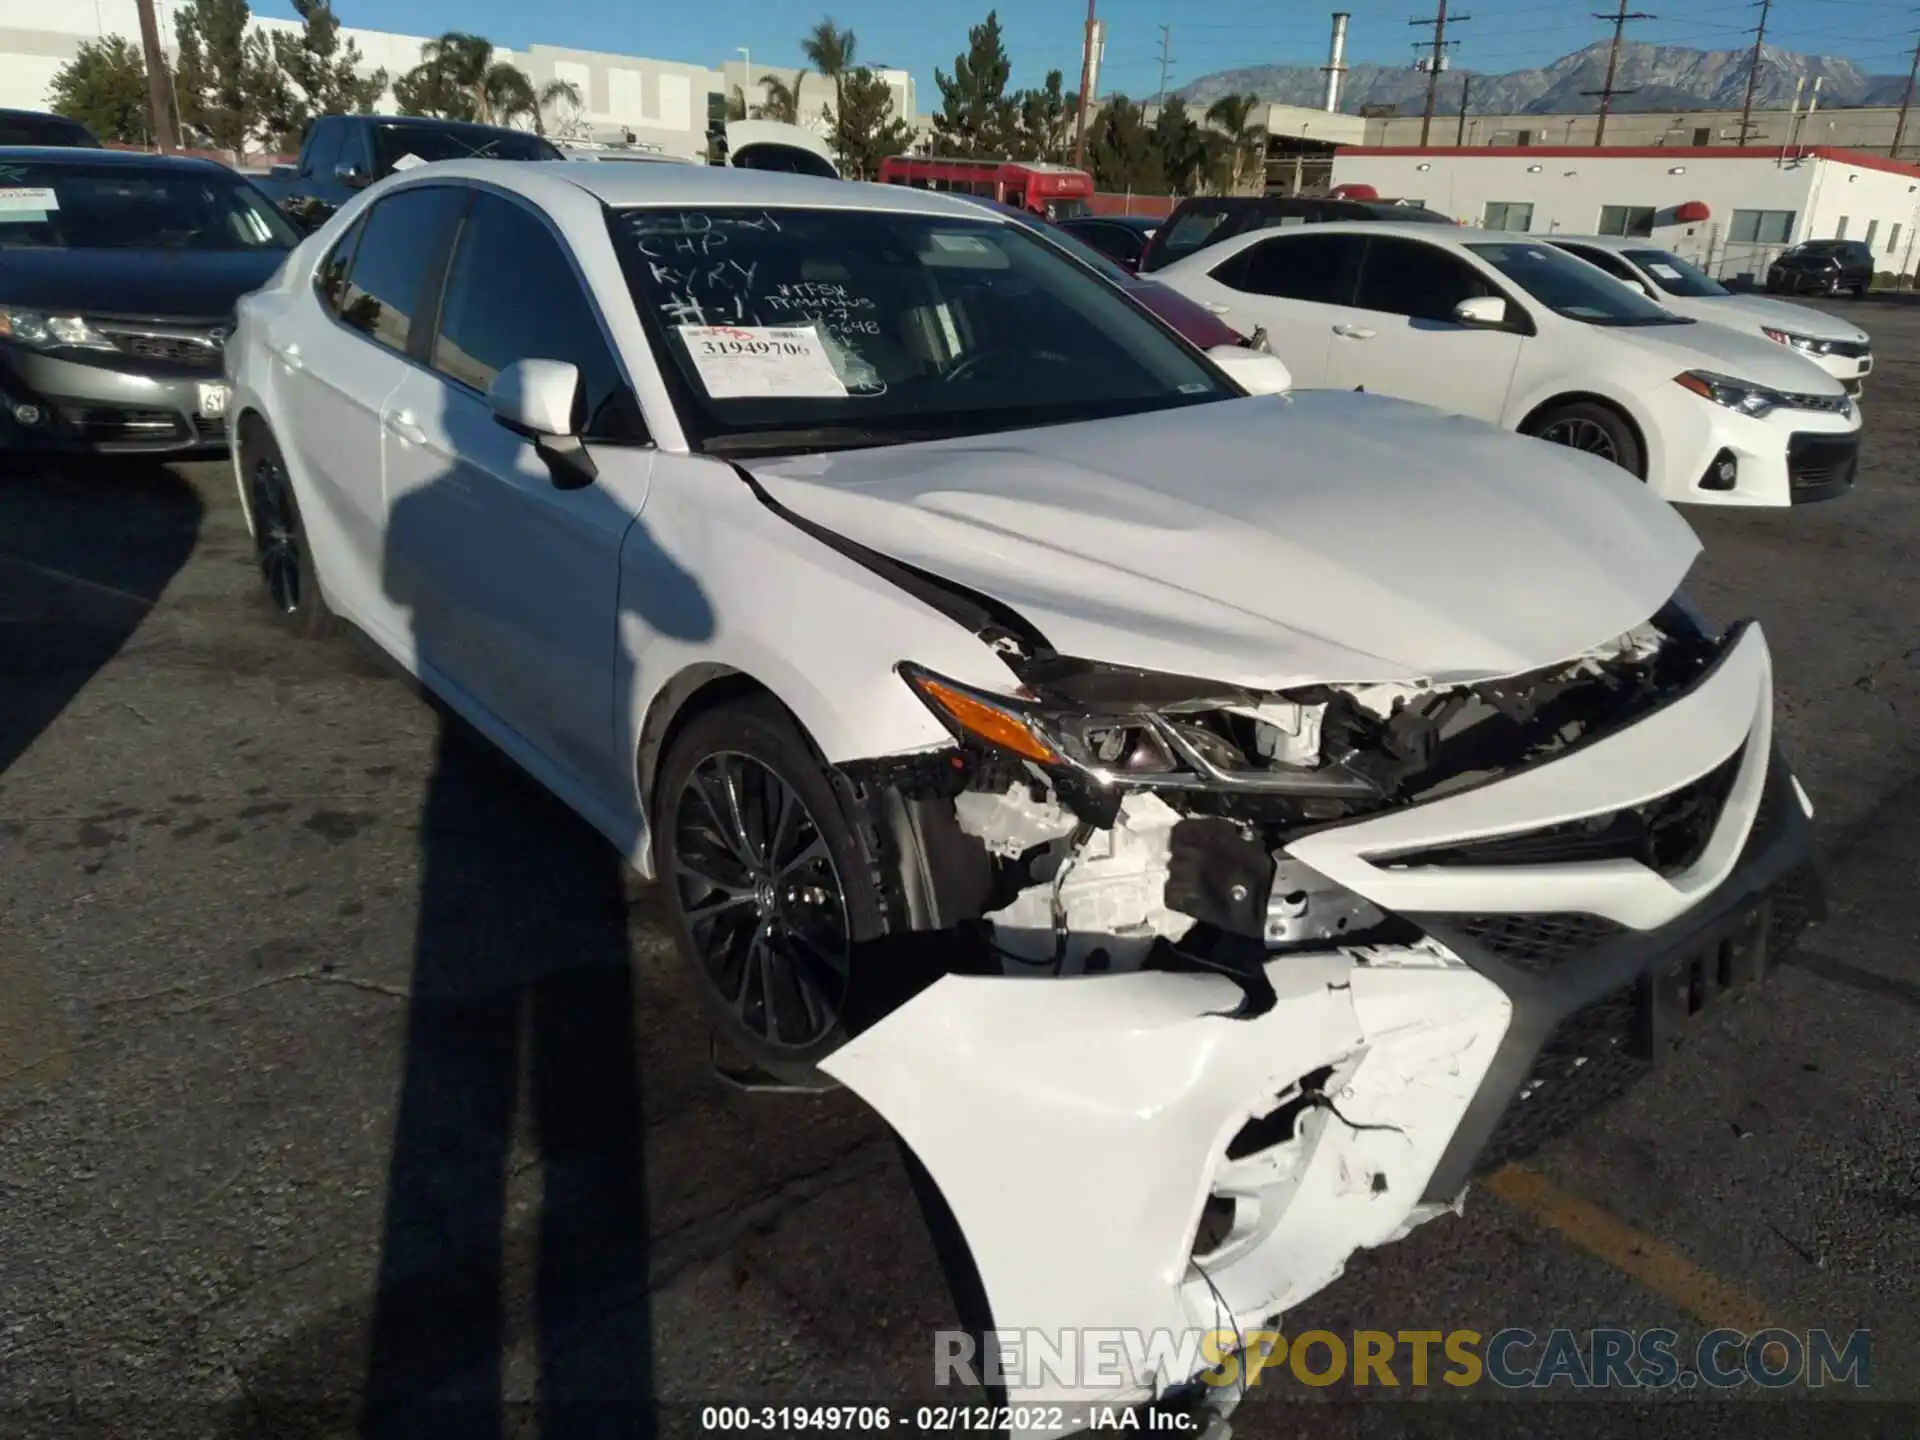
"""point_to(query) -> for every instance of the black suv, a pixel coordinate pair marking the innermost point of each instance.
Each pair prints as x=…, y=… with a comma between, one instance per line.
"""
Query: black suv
x=1198, y=223
x=36, y=127
x=1822, y=267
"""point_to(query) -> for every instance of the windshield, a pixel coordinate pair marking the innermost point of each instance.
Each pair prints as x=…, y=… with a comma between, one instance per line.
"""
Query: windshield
x=427, y=143
x=790, y=329
x=1572, y=287
x=1067, y=209
x=59, y=205
x=1676, y=276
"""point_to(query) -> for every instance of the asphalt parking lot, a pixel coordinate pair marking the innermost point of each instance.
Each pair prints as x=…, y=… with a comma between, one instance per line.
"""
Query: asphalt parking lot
x=340, y=1069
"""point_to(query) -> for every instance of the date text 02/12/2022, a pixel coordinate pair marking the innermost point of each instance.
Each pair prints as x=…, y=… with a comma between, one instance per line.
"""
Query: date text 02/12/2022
x=930, y=1419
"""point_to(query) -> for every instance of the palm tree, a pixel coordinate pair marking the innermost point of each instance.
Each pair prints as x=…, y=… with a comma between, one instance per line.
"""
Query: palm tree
x=1234, y=115
x=783, y=100
x=737, y=105
x=831, y=50
x=551, y=94
x=496, y=91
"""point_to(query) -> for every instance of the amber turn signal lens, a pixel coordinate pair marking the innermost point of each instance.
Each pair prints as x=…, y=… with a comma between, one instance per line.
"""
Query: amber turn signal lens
x=988, y=722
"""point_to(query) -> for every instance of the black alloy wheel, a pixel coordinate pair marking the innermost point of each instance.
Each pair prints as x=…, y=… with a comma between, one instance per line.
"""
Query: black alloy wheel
x=279, y=539
x=1594, y=429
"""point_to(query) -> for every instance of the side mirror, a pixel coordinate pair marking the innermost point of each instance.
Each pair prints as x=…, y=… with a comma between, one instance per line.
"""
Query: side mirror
x=1637, y=285
x=1254, y=371
x=350, y=175
x=535, y=398
x=1482, y=312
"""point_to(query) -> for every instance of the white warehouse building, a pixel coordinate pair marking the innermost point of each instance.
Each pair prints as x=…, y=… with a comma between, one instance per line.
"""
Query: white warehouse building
x=1727, y=209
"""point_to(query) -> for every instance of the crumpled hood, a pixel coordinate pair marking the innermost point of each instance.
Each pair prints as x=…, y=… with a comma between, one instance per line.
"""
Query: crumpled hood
x=1780, y=315
x=1741, y=354
x=1272, y=541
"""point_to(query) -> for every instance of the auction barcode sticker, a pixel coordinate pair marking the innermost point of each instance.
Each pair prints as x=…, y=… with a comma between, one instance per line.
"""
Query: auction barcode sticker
x=739, y=362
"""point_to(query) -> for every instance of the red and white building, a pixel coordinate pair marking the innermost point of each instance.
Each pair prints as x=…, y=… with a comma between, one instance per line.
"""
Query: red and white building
x=1725, y=208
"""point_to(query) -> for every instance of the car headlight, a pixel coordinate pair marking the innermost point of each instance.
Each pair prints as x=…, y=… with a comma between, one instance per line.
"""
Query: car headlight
x=1805, y=344
x=49, y=332
x=1217, y=741
x=1741, y=395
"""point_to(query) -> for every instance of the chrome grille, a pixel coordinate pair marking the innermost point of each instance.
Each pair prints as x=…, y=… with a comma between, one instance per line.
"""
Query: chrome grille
x=200, y=347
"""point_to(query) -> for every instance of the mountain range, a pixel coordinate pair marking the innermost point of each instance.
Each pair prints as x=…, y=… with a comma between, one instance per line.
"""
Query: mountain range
x=1662, y=77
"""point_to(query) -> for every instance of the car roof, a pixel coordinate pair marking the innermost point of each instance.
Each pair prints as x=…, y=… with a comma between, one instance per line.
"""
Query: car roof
x=432, y=122
x=624, y=185
x=1619, y=244
x=132, y=159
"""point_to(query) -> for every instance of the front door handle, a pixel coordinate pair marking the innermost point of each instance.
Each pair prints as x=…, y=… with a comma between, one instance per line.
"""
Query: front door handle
x=402, y=426
x=289, y=356
x=1353, y=332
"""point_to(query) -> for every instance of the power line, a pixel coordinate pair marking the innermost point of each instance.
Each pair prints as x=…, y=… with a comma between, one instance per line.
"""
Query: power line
x=1606, y=92
x=1435, y=62
x=1753, y=75
x=1906, y=100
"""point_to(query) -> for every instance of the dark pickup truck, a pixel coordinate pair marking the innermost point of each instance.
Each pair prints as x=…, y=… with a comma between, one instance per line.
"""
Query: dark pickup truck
x=345, y=153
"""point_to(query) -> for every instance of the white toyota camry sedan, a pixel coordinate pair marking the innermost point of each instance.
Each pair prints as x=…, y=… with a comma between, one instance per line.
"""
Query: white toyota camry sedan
x=1837, y=346
x=1209, y=826
x=1511, y=330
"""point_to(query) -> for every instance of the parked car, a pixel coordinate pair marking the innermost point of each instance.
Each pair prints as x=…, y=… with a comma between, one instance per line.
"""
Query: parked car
x=1841, y=349
x=1211, y=219
x=1079, y=758
x=343, y=154
x=1194, y=321
x=1514, y=331
x=36, y=127
x=1822, y=267
x=1121, y=237
x=118, y=278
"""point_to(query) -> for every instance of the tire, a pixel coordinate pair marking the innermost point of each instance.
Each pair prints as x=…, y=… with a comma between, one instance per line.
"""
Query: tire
x=769, y=942
x=289, y=580
x=1594, y=429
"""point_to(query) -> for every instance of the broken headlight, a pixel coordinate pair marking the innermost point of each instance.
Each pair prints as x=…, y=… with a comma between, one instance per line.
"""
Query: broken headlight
x=1232, y=742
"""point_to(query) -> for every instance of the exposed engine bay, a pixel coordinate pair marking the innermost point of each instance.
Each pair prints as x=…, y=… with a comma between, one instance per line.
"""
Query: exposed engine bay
x=1118, y=808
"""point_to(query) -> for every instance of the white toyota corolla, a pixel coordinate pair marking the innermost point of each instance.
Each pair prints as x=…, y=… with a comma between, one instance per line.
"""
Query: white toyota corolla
x=1511, y=330
x=1838, y=347
x=1209, y=827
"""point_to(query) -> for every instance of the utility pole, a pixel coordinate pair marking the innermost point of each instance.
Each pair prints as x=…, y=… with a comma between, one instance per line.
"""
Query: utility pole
x=1086, y=84
x=1906, y=103
x=1753, y=75
x=1606, y=92
x=1466, y=89
x=159, y=80
x=1436, y=61
x=1166, y=58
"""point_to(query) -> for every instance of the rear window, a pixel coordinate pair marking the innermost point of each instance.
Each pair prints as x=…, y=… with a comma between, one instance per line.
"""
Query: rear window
x=44, y=130
x=393, y=144
x=1187, y=233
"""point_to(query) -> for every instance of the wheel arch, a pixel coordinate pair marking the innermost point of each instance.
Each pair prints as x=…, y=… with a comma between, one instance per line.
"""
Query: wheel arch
x=1605, y=402
x=700, y=687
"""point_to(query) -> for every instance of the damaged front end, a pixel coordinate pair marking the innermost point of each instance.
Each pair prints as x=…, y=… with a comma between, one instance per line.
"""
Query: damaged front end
x=1280, y=1035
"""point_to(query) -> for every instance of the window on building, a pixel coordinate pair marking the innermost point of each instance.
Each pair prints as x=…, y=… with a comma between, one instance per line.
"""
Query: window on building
x=1523, y=137
x=1508, y=215
x=1873, y=229
x=1840, y=232
x=1893, y=240
x=1760, y=227
x=1702, y=135
x=1626, y=220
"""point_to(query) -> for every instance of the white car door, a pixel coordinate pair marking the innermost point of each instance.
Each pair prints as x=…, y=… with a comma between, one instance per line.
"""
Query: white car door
x=1286, y=284
x=339, y=355
x=1399, y=337
x=509, y=569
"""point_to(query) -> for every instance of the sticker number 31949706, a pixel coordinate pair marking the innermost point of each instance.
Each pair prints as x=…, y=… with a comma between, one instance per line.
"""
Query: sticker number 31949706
x=737, y=362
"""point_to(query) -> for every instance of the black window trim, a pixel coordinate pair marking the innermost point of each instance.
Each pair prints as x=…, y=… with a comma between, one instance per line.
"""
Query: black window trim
x=1292, y=234
x=621, y=369
x=436, y=264
x=1520, y=319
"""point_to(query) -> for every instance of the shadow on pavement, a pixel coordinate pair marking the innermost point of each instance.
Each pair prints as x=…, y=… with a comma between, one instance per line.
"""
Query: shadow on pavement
x=86, y=548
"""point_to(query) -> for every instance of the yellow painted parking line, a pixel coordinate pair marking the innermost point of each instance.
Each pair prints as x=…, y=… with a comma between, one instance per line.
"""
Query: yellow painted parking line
x=1659, y=1267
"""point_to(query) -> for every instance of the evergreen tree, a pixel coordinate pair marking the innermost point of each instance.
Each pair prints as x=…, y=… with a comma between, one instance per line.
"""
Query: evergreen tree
x=865, y=128
x=1120, y=150
x=1181, y=145
x=225, y=81
x=976, y=118
x=104, y=87
x=1045, y=120
x=322, y=75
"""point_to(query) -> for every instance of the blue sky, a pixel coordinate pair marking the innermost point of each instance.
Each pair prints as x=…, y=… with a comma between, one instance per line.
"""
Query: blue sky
x=1206, y=36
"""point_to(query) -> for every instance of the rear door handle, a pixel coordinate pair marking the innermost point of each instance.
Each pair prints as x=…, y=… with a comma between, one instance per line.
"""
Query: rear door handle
x=402, y=425
x=1353, y=332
